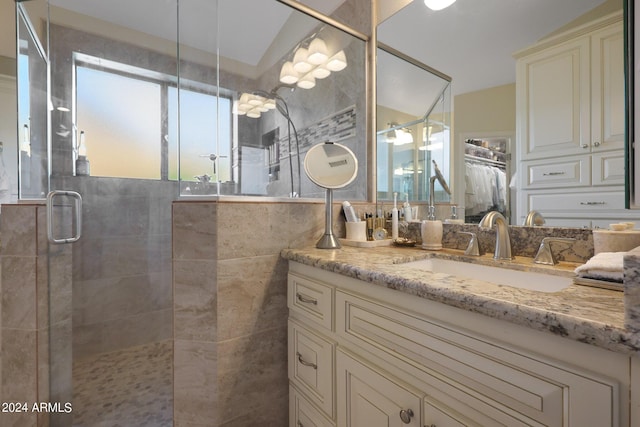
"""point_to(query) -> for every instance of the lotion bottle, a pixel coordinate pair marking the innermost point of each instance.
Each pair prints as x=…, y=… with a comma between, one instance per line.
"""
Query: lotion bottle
x=394, y=217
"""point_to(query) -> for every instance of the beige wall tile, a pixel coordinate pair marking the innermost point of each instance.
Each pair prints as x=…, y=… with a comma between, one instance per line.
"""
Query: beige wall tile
x=252, y=369
x=195, y=230
x=195, y=300
x=195, y=389
x=252, y=229
x=18, y=230
x=19, y=365
x=19, y=292
x=252, y=295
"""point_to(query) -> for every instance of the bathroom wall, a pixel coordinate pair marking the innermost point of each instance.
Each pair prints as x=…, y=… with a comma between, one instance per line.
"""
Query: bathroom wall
x=32, y=282
x=230, y=309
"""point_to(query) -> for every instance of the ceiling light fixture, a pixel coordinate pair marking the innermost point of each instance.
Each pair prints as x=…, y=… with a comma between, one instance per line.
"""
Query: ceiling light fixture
x=438, y=4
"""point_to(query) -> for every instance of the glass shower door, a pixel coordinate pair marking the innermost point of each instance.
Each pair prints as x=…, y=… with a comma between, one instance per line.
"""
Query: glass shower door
x=94, y=112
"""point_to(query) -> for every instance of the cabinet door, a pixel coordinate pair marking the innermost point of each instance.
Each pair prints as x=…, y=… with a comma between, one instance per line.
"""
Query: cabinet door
x=553, y=101
x=368, y=398
x=607, y=89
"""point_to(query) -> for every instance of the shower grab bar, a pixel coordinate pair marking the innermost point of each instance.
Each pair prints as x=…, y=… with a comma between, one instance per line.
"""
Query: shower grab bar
x=78, y=215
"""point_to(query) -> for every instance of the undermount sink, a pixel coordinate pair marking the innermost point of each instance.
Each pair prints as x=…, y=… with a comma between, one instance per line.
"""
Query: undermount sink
x=497, y=275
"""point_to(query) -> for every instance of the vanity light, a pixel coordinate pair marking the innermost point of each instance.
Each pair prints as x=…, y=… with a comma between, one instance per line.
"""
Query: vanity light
x=300, y=61
x=337, y=62
x=307, y=82
x=288, y=75
x=320, y=72
x=311, y=63
x=254, y=114
x=317, y=53
x=253, y=105
x=438, y=4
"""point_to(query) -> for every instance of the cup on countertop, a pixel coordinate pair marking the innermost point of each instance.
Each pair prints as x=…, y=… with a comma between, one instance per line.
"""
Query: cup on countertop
x=356, y=231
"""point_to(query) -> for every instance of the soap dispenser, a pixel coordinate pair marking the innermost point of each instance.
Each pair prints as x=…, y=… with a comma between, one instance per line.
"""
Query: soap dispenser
x=406, y=207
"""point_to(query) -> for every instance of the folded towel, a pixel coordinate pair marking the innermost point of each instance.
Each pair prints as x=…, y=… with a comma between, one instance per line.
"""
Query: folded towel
x=605, y=265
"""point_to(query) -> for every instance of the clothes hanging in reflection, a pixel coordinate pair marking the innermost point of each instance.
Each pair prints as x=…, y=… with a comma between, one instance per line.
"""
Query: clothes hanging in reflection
x=486, y=188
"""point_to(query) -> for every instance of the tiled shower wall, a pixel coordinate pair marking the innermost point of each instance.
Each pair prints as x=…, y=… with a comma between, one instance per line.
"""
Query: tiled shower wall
x=32, y=281
x=230, y=309
x=122, y=265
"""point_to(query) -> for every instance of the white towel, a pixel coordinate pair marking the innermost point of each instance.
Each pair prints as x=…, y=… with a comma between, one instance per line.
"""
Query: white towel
x=605, y=265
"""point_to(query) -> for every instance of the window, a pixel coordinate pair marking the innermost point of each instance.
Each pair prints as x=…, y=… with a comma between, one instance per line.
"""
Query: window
x=129, y=117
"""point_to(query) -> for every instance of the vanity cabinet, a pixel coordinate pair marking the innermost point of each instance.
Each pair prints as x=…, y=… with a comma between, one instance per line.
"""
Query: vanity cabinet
x=394, y=359
x=570, y=97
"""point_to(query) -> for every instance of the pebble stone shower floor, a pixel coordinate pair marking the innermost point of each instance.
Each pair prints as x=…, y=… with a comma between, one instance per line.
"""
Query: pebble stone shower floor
x=125, y=388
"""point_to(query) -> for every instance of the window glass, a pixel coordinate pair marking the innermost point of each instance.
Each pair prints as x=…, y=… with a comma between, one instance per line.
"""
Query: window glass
x=121, y=121
x=199, y=135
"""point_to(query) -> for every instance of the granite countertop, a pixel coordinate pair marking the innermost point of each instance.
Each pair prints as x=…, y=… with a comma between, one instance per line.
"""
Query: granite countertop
x=581, y=313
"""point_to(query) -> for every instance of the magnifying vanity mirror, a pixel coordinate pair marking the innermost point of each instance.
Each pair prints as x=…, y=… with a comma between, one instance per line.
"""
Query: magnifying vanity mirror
x=546, y=80
x=331, y=166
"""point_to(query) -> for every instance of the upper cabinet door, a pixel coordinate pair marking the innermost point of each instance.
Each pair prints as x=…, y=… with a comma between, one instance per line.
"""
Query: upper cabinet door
x=553, y=98
x=607, y=89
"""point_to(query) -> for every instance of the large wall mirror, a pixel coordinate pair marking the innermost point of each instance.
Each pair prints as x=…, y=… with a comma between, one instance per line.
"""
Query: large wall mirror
x=216, y=113
x=571, y=173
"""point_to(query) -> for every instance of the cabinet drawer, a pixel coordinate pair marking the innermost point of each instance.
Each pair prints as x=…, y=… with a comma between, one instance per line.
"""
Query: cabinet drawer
x=311, y=300
x=565, y=172
x=303, y=413
x=593, y=201
x=608, y=168
x=311, y=366
x=493, y=380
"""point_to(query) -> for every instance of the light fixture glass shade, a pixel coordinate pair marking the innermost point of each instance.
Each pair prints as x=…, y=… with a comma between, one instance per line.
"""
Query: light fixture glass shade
x=438, y=4
x=255, y=100
x=270, y=104
x=288, y=75
x=307, y=82
x=317, y=53
x=300, y=62
x=337, y=62
x=254, y=114
x=320, y=72
x=237, y=110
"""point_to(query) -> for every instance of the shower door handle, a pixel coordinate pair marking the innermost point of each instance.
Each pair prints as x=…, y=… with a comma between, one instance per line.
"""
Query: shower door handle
x=77, y=210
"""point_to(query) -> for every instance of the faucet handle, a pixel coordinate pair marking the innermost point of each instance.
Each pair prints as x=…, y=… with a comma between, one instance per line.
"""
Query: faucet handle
x=544, y=255
x=472, y=248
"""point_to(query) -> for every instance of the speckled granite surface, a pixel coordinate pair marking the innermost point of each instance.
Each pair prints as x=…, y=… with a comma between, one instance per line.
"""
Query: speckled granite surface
x=590, y=315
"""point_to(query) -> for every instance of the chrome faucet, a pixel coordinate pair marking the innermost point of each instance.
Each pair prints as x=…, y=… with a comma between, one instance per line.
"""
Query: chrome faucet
x=503, y=243
x=544, y=255
x=534, y=218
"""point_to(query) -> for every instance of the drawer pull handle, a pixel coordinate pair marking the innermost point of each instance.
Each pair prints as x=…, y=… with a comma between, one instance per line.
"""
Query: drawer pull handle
x=406, y=415
x=553, y=173
x=306, y=300
x=304, y=362
x=596, y=144
x=593, y=203
x=300, y=424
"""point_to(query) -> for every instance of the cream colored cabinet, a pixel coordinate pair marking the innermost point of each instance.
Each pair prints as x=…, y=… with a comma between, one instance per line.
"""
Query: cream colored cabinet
x=393, y=359
x=570, y=94
x=367, y=397
x=570, y=124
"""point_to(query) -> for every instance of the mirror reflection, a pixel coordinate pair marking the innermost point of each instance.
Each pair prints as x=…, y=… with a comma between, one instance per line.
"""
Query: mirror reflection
x=235, y=117
x=413, y=115
x=546, y=79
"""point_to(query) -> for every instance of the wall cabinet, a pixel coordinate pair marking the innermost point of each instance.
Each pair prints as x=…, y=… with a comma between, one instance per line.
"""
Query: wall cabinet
x=570, y=121
x=393, y=359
